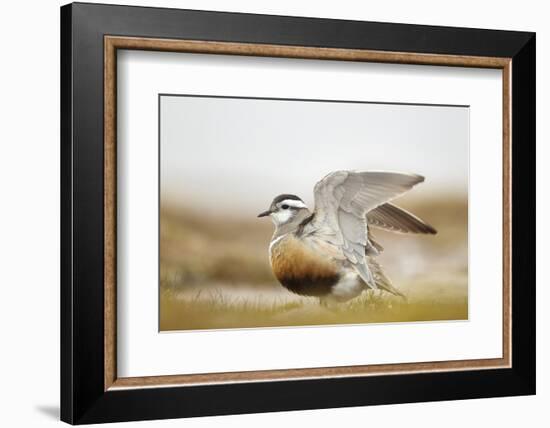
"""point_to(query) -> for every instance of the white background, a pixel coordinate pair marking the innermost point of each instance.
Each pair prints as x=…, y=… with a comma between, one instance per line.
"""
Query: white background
x=29, y=230
x=142, y=351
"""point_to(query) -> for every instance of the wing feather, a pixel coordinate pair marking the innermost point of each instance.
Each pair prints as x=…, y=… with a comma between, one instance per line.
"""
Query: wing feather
x=395, y=219
x=342, y=200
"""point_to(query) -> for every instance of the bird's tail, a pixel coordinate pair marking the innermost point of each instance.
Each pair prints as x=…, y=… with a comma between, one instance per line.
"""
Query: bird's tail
x=381, y=280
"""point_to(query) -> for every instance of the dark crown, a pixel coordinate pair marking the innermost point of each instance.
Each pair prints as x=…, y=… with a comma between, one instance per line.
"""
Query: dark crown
x=286, y=196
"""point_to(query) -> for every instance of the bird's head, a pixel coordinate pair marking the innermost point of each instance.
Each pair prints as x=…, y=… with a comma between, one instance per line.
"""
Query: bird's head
x=286, y=209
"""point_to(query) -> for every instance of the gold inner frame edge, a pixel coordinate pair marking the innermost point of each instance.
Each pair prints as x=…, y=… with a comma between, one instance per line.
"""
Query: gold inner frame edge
x=113, y=43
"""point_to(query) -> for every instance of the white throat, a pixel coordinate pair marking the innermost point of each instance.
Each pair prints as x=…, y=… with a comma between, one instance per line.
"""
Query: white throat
x=281, y=217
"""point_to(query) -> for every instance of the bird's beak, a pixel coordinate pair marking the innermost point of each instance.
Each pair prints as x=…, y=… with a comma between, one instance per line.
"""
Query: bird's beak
x=265, y=213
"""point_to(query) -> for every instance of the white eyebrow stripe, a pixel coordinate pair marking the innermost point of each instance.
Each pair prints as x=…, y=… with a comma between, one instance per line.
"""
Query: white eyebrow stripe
x=293, y=203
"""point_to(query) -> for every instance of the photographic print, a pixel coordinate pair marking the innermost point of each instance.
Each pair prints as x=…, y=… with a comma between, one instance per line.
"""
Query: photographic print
x=292, y=212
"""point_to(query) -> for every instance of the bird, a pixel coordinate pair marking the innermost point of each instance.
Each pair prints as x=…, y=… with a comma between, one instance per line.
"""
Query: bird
x=330, y=252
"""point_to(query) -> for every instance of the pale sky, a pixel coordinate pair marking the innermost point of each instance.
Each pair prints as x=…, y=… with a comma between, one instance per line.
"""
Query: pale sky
x=237, y=154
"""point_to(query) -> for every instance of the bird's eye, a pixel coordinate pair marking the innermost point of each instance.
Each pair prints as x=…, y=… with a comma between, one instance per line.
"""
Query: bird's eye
x=284, y=207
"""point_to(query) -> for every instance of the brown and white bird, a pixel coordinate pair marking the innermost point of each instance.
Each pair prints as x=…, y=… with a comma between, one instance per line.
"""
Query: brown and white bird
x=330, y=252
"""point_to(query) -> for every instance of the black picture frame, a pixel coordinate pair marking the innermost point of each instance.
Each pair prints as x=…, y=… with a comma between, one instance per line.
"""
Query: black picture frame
x=83, y=397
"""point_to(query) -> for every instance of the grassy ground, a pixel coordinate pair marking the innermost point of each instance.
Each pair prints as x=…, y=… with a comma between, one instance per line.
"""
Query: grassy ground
x=216, y=311
x=215, y=274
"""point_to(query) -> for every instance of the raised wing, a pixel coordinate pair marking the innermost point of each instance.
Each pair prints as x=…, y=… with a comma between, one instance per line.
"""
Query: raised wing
x=395, y=219
x=342, y=200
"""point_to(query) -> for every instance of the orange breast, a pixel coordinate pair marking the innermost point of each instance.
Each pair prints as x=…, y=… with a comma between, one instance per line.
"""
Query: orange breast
x=302, y=270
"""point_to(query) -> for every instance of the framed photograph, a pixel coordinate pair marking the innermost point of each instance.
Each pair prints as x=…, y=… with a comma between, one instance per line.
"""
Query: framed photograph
x=265, y=213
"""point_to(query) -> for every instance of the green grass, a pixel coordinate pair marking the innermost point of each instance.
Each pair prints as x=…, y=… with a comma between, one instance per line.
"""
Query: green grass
x=214, y=310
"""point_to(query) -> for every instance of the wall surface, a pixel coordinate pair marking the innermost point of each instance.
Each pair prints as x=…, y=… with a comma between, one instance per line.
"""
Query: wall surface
x=29, y=213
